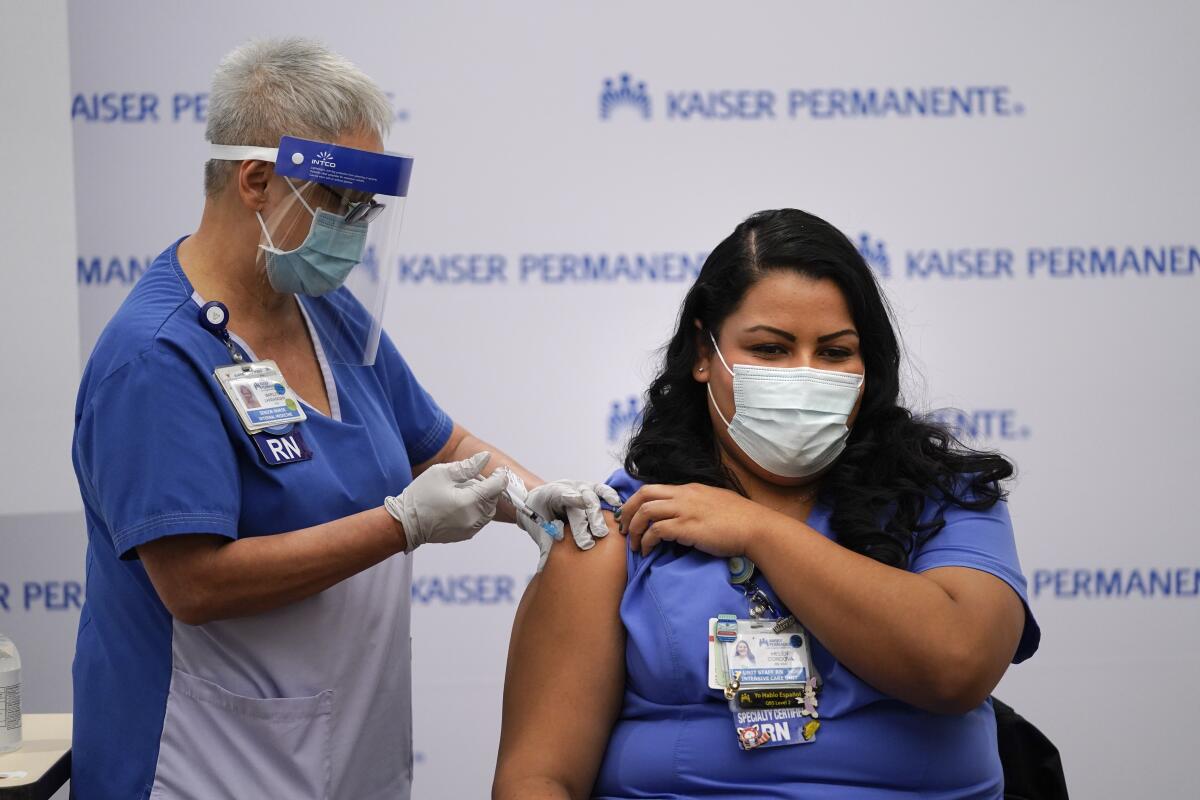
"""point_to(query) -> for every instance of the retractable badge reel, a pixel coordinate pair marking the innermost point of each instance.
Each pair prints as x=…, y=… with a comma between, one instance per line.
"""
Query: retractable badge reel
x=266, y=407
x=214, y=318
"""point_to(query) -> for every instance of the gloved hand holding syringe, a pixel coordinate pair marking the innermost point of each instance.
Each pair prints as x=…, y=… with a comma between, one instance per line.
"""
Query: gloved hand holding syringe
x=540, y=511
x=516, y=494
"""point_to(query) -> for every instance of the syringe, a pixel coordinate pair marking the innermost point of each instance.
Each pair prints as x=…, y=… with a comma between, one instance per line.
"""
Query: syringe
x=553, y=529
x=516, y=493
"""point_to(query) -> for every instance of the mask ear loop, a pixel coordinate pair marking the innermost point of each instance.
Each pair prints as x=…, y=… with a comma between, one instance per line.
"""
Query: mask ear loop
x=299, y=197
x=709, y=384
x=717, y=407
x=263, y=225
x=714, y=342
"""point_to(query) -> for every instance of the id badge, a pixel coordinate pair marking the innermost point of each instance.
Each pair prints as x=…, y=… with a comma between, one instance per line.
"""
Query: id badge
x=765, y=652
x=768, y=653
x=778, y=727
x=260, y=395
x=767, y=675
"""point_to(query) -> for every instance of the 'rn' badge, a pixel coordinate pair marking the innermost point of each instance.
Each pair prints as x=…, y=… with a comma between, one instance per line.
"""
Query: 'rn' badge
x=280, y=449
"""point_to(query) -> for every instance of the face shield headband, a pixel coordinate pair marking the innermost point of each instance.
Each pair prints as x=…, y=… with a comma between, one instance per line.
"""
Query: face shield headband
x=330, y=164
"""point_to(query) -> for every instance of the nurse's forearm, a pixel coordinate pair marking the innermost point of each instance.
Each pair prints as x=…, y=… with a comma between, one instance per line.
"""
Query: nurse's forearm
x=470, y=444
x=202, y=578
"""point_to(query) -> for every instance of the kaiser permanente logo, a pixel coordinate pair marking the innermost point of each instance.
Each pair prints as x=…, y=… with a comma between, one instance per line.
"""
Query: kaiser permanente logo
x=627, y=95
x=874, y=252
x=1056, y=262
x=1099, y=583
x=624, y=414
x=125, y=107
x=624, y=92
x=468, y=589
x=1126, y=262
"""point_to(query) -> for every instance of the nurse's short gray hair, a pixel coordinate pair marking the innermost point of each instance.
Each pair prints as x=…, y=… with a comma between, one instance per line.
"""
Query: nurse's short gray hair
x=269, y=88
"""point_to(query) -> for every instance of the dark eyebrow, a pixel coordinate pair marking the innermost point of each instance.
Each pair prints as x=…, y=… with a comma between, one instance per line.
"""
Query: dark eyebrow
x=789, y=336
x=830, y=336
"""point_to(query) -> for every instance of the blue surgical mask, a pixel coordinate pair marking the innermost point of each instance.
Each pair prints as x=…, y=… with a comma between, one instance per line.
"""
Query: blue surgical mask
x=323, y=260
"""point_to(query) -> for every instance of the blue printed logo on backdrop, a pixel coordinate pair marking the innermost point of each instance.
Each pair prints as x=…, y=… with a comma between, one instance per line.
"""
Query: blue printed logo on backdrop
x=551, y=268
x=623, y=416
x=107, y=270
x=624, y=92
x=1083, y=262
x=136, y=107
x=874, y=252
x=774, y=103
x=370, y=263
x=453, y=268
x=982, y=424
x=962, y=263
x=1116, y=582
x=988, y=263
x=41, y=596
x=458, y=590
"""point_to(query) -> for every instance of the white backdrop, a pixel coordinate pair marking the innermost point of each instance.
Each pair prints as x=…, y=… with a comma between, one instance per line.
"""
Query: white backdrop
x=1023, y=176
x=41, y=569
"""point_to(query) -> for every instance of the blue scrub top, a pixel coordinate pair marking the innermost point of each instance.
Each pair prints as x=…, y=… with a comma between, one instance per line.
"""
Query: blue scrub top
x=159, y=451
x=675, y=738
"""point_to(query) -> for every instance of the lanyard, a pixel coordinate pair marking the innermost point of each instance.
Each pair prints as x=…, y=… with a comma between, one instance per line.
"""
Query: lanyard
x=258, y=392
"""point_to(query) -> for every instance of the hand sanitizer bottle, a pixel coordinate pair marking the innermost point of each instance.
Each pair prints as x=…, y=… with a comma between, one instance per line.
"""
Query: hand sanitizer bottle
x=10, y=696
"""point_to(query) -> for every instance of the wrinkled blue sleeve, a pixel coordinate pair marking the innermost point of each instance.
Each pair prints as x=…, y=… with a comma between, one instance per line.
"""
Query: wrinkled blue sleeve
x=154, y=455
x=982, y=540
x=424, y=426
x=625, y=485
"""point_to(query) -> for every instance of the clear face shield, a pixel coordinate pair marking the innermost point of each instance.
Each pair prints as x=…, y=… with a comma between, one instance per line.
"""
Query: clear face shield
x=330, y=233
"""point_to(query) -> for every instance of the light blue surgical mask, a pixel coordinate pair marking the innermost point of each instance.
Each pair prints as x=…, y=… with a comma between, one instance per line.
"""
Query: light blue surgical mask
x=323, y=260
x=791, y=421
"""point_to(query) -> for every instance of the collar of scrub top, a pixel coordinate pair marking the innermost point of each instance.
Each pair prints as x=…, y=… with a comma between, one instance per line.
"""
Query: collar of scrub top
x=326, y=163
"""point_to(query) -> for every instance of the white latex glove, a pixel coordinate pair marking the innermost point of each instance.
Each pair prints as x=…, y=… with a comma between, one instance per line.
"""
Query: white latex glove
x=447, y=502
x=576, y=502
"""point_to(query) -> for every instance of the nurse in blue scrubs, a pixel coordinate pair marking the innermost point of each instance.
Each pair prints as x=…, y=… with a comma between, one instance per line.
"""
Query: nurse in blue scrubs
x=258, y=463
x=777, y=479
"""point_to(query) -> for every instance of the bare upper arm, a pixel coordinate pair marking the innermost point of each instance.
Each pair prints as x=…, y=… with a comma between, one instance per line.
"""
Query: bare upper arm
x=174, y=564
x=997, y=616
x=566, y=673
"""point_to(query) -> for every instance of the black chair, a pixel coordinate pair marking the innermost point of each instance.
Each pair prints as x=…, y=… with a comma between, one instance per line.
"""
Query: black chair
x=1032, y=767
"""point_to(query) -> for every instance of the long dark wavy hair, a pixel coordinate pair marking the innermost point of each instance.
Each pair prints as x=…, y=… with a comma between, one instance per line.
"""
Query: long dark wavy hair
x=894, y=462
